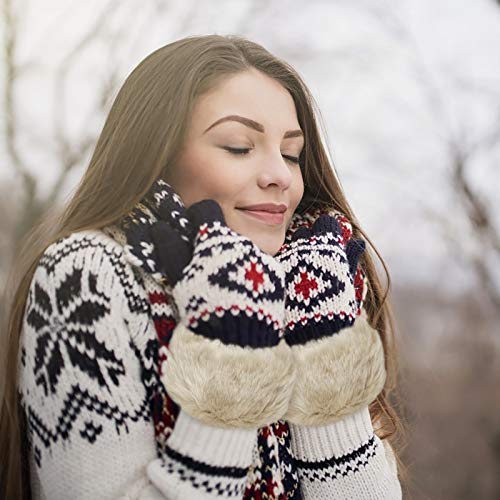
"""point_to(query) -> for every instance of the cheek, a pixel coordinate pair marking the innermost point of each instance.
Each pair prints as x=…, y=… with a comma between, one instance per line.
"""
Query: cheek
x=224, y=186
x=222, y=180
x=297, y=189
x=196, y=179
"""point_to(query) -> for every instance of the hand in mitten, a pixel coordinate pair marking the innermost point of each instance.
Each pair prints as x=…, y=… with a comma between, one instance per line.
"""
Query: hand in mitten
x=226, y=366
x=340, y=363
x=339, y=355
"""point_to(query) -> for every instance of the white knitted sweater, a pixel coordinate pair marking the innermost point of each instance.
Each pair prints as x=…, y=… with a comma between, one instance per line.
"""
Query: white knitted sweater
x=84, y=345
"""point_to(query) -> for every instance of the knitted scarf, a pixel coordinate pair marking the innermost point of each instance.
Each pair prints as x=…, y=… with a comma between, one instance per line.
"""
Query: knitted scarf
x=273, y=474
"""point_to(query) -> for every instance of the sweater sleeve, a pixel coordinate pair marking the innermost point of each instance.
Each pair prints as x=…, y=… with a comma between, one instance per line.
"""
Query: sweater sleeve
x=345, y=460
x=84, y=396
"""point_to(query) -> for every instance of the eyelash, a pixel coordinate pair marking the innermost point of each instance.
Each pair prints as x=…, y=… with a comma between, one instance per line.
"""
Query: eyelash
x=243, y=151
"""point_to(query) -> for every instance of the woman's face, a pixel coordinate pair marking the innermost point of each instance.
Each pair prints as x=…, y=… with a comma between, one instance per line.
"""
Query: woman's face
x=265, y=128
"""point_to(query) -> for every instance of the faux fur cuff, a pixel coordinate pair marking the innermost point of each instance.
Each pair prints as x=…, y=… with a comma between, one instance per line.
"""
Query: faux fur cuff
x=337, y=375
x=226, y=385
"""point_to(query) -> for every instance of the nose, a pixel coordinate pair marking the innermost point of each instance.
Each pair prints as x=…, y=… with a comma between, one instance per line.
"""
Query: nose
x=275, y=170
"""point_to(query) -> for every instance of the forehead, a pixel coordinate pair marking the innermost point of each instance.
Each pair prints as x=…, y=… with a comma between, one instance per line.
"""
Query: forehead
x=251, y=94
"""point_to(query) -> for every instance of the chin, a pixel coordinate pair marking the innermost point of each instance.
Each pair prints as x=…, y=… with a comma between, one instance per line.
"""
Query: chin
x=268, y=243
x=265, y=243
x=269, y=247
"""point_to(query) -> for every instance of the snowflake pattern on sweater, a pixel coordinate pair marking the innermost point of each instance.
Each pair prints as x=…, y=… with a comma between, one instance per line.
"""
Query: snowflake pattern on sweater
x=91, y=395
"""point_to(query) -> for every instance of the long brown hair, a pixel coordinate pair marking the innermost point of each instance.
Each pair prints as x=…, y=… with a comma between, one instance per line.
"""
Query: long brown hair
x=140, y=139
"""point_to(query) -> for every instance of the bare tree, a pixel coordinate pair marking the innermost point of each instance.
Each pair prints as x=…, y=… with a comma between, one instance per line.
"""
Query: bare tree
x=477, y=212
x=453, y=391
x=69, y=153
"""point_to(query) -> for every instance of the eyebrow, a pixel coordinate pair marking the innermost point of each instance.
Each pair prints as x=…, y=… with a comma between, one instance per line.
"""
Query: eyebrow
x=253, y=125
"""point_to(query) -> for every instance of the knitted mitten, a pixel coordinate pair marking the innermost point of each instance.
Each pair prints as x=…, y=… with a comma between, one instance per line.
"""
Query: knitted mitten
x=339, y=355
x=228, y=367
x=340, y=363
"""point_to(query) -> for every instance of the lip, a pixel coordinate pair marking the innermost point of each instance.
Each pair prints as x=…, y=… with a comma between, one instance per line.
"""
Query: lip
x=263, y=216
x=266, y=207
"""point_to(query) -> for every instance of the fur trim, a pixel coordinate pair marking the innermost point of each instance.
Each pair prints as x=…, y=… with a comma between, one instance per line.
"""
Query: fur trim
x=227, y=385
x=337, y=375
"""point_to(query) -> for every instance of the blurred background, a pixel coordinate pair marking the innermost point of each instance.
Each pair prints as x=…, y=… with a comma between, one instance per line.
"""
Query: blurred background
x=409, y=93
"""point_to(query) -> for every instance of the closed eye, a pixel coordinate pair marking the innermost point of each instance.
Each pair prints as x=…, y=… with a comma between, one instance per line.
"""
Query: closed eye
x=244, y=151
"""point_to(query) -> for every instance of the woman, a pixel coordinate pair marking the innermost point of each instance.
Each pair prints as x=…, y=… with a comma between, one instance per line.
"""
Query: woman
x=204, y=321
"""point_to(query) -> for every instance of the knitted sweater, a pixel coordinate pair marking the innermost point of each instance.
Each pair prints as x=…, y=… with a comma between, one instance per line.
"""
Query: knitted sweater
x=87, y=375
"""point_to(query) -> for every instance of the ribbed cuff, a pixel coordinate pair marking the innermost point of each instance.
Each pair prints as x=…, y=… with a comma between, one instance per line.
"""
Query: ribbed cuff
x=212, y=445
x=313, y=443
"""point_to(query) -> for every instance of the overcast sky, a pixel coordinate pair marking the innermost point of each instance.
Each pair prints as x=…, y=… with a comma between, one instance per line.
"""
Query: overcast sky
x=368, y=65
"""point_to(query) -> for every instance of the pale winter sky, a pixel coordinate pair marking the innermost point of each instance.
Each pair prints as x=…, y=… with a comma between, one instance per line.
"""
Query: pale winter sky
x=369, y=65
